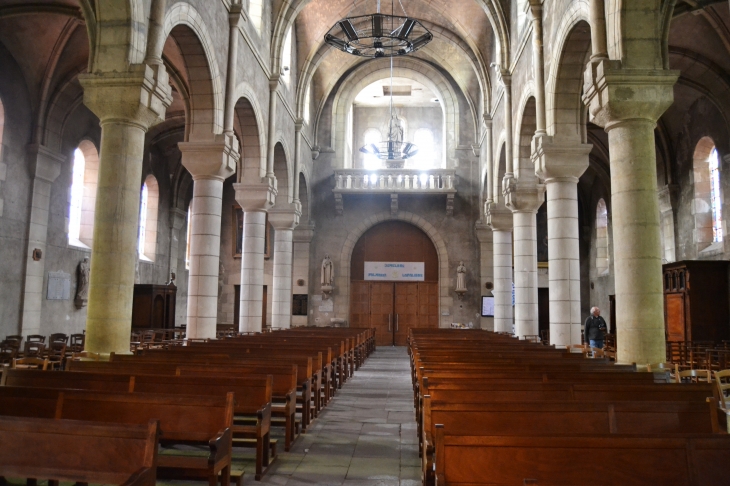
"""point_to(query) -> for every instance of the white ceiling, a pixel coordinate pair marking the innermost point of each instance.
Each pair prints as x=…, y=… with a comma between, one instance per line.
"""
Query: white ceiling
x=372, y=95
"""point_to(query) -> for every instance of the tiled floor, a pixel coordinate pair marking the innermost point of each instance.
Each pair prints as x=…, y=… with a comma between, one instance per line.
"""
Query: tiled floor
x=365, y=437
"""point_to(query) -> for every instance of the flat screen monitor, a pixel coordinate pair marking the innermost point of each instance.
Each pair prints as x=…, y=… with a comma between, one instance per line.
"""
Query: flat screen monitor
x=487, y=306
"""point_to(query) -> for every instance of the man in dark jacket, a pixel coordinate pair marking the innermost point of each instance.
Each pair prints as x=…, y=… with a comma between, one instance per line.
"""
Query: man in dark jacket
x=595, y=328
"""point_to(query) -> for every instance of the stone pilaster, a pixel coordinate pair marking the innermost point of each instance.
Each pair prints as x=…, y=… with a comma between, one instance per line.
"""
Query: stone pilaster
x=500, y=220
x=302, y=237
x=668, y=200
x=524, y=196
x=560, y=165
x=628, y=103
x=177, y=221
x=127, y=104
x=255, y=200
x=210, y=164
x=45, y=169
x=486, y=266
x=284, y=221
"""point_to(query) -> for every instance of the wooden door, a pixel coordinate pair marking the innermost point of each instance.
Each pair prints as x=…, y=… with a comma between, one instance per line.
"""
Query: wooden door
x=428, y=305
x=360, y=304
x=381, y=312
x=543, y=311
x=236, y=307
x=675, y=317
x=265, y=306
x=406, y=311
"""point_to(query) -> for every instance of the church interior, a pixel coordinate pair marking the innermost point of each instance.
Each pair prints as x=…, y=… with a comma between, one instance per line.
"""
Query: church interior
x=358, y=237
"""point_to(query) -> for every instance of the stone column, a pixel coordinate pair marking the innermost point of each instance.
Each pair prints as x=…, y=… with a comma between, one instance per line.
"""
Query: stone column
x=486, y=267
x=210, y=164
x=127, y=105
x=45, y=168
x=284, y=221
x=560, y=165
x=499, y=219
x=628, y=104
x=538, y=66
x=303, y=235
x=177, y=221
x=273, y=88
x=598, y=31
x=255, y=200
x=524, y=196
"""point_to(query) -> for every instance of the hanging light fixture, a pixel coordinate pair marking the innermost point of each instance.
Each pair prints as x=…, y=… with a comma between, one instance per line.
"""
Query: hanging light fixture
x=378, y=35
x=394, y=149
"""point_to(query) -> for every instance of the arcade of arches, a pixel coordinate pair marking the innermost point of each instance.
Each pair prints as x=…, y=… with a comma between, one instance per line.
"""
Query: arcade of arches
x=570, y=148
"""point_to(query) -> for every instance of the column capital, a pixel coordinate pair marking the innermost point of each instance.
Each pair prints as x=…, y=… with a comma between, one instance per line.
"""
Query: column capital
x=274, y=82
x=499, y=218
x=304, y=233
x=556, y=159
x=44, y=163
x=523, y=194
x=614, y=94
x=177, y=218
x=285, y=218
x=235, y=15
x=256, y=197
x=139, y=96
x=210, y=160
x=483, y=232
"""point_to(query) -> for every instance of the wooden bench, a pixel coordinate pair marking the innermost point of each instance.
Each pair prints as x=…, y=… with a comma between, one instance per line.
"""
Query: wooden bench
x=79, y=451
x=580, y=461
x=188, y=419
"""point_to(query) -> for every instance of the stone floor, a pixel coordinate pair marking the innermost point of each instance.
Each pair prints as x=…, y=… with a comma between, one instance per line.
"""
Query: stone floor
x=365, y=437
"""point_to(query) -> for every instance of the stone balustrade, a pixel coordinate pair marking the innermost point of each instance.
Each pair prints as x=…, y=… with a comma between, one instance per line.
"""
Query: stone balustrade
x=438, y=181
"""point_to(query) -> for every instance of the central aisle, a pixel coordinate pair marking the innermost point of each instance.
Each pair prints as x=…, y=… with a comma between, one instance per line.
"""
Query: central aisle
x=365, y=436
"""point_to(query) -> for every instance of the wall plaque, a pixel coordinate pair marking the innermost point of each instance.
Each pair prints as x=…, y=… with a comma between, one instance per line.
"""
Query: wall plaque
x=59, y=286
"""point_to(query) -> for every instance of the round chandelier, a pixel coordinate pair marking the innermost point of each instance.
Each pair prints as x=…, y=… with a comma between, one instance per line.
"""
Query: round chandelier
x=378, y=35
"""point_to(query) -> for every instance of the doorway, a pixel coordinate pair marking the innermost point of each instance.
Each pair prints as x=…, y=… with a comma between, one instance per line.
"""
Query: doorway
x=392, y=308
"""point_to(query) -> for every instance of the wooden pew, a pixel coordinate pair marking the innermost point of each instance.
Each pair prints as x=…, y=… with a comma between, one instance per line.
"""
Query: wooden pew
x=252, y=406
x=190, y=419
x=79, y=451
x=580, y=460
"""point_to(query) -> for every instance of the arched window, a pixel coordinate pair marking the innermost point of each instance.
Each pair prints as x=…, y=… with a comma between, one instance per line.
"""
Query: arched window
x=286, y=58
x=707, y=202
x=147, y=243
x=423, y=139
x=84, y=182
x=256, y=14
x=188, y=236
x=601, y=238
x=307, y=102
x=371, y=136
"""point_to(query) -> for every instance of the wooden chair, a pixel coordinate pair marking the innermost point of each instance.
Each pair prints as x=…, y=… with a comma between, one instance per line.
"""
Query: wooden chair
x=56, y=355
x=30, y=364
x=723, y=386
x=58, y=337
x=694, y=376
x=82, y=356
x=33, y=349
x=595, y=353
x=14, y=338
x=35, y=338
x=77, y=342
x=532, y=338
x=577, y=348
x=545, y=336
x=8, y=352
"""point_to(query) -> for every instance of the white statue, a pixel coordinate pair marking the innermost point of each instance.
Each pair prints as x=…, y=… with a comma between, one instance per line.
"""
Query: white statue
x=82, y=286
x=328, y=272
x=461, y=277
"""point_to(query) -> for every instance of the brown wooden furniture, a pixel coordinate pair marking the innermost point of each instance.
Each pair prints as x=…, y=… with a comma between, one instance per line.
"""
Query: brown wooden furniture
x=696, y=305
x=79, y=451
x=153, y=306
x=30, y=364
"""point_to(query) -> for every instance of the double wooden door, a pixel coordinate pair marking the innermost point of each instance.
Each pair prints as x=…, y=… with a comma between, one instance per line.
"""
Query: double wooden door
x=393, y=307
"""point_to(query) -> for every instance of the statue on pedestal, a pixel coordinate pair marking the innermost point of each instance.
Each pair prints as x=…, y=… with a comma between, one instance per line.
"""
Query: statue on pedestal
x=327, y=276
x=82, y=286
x=461, y=279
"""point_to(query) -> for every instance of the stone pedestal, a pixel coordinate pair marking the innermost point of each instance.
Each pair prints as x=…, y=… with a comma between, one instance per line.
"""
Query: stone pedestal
x=255, y=200
x=284, y=221
x=524, y=196
x=127, y=105
x=210, y=163
x=500, y=220
x=46, y=167
x=560, y=165
x=628, y=102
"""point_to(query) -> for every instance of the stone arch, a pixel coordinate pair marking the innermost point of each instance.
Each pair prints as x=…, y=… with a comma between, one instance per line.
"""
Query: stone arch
x=500, y=169
x=630, y=30
x=283, y=173
x=527, y=124
x=122, y=29
x=343, y=279
x=565, y=79
x=371, y=72
x=63, y=101
x=248, y=124
x=190, y=32
x=304, y=197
